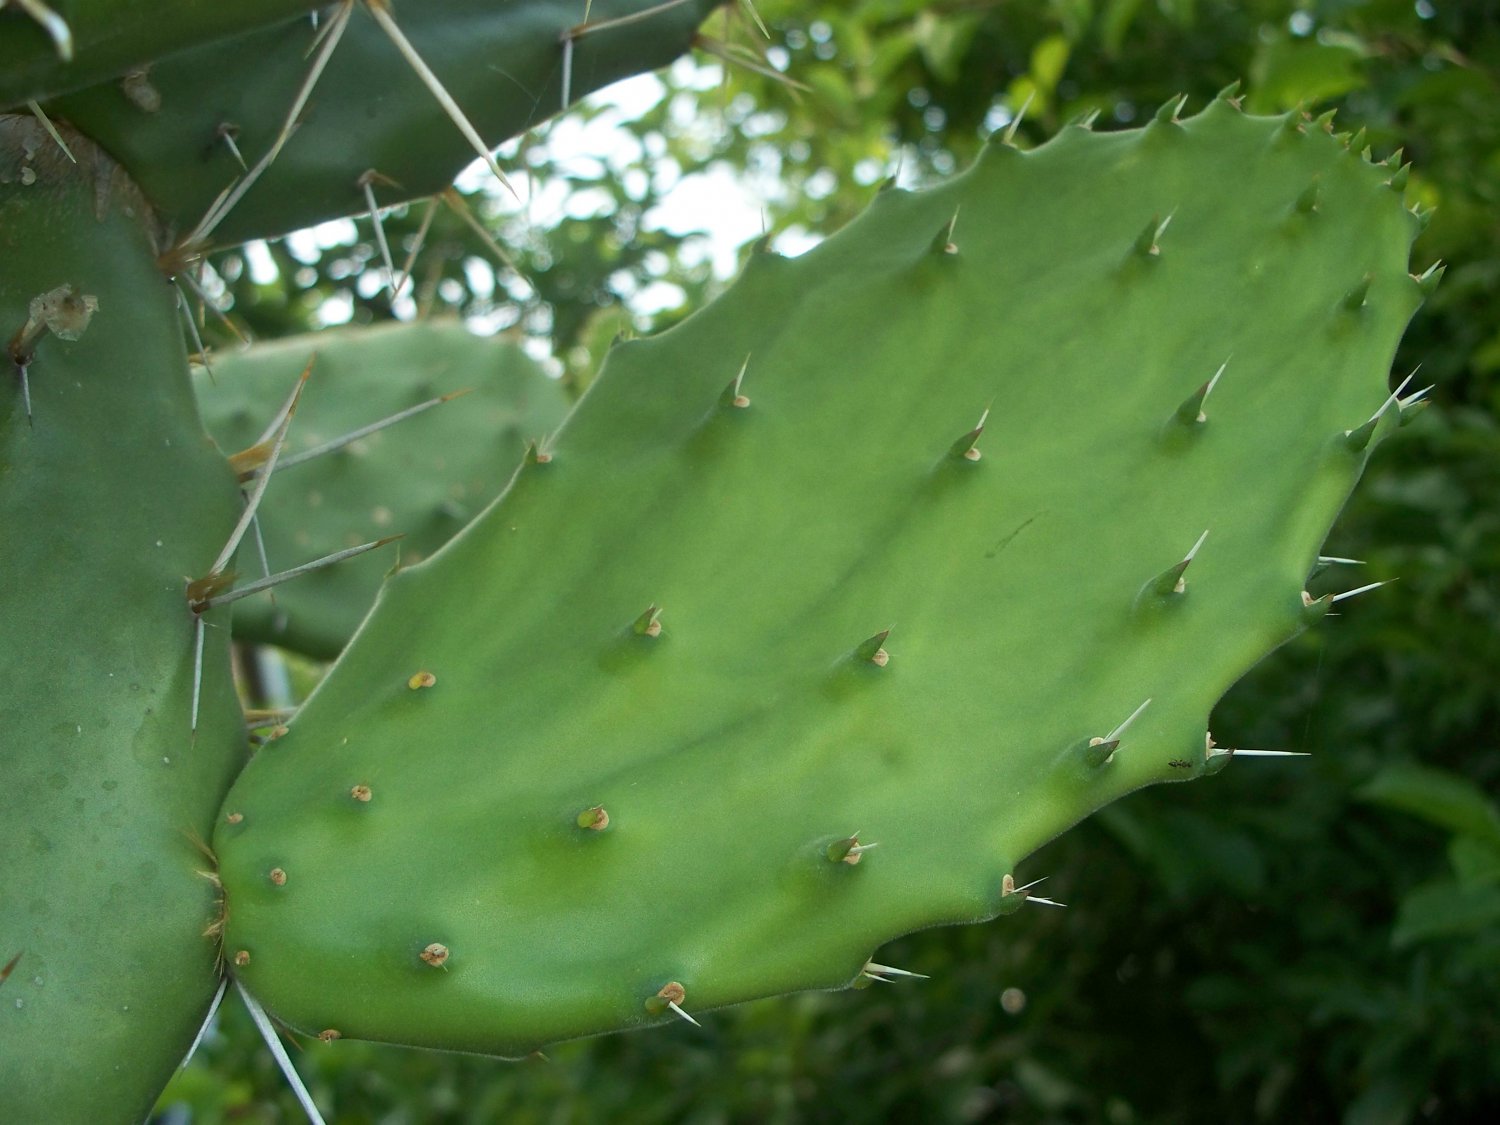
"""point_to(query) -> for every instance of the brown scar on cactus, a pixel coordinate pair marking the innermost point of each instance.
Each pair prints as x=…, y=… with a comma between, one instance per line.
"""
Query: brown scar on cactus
x=361, y=793
x=420, y=680
x=329, y=1034
x=62, y=312
x=670, y=998
x=436, y=955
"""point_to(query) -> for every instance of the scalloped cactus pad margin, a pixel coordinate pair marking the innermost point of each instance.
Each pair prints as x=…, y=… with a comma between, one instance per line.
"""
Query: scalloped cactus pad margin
x=830, y=605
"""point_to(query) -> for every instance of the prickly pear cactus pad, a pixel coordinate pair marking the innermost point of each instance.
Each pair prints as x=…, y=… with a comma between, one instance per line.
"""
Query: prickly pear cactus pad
x=203, y=122
x=424, y=477
x=61, y=46
x=111, y=494
x=830, y=605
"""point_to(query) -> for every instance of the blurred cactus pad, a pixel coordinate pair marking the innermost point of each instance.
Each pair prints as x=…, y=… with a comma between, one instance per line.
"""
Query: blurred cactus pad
x=422, y=478
x=828, y=606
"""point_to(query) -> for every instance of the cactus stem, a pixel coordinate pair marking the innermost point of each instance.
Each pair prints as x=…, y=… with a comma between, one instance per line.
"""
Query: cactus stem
x=272, y=580
x=648, y=624
x=327, y=39
x=380, y=9
x=966, y=446
x=46, y=123
x=227, y=134
x=871, y=650
x=1191, y=412
x=52, y=23
x=884, y=973
x=366, y=186
x=732, y=395
x=670, y=998
x=283, y=1060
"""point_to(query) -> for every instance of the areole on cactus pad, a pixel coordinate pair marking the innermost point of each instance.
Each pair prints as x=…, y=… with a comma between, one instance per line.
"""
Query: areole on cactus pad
x=827, y=607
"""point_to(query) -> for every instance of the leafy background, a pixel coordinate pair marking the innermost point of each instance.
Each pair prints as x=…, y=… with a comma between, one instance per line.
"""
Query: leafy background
x=1296, y=940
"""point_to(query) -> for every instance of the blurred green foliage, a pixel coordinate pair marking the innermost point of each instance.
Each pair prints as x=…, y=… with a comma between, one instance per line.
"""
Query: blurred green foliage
x=1296, y=940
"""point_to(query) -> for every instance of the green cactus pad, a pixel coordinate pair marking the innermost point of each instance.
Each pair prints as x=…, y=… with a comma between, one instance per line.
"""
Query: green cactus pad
x=110, y=496
x=86, y=41
x=423, y=478
x=901, y=584
x=502, y=63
